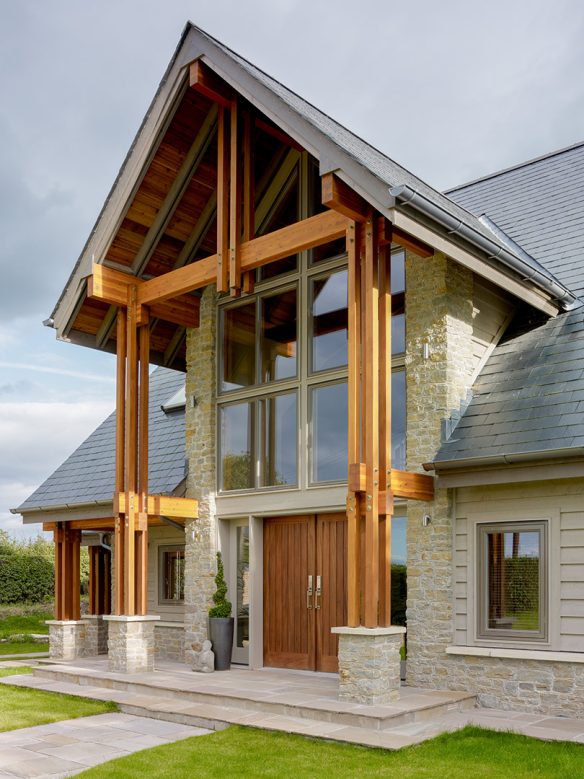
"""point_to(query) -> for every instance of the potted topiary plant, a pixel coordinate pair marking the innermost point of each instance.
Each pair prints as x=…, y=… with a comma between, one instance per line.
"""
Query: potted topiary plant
x=221, y=621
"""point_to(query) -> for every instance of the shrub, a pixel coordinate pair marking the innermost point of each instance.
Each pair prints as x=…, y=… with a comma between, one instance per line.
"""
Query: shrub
x=222, y=607
x=399, y=592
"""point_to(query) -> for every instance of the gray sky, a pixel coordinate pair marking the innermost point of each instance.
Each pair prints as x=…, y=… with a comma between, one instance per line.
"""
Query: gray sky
x=452, y=90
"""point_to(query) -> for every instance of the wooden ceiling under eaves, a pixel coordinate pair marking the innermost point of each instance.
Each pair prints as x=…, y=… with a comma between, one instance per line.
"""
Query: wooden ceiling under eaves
x=172, y=219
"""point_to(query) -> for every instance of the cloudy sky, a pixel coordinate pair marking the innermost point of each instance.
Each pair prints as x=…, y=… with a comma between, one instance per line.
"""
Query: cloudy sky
x=452, y=90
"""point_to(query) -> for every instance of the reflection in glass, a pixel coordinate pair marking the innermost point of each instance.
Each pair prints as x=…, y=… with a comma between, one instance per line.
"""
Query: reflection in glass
x=278, y=268
x=514, y=580
x=327, y=251
x=329, y=433
x=279, y=428
x=243, y=587
x=398, y=272
x=398, y=334
x=238, y=364
x=173, y=573
x=236, y=424
x=278, y=336
x=329, y=321
x=398, y=419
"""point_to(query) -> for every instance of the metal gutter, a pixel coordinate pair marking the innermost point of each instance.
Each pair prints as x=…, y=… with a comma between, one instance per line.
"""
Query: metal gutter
x=503, y=459
x=61, y=507
x=405, y=195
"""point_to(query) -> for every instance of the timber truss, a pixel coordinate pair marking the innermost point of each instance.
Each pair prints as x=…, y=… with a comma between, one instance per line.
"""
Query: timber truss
x=373, y=484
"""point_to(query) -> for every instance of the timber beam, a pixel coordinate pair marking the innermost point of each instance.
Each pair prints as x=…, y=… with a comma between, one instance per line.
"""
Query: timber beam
x=206, y=82
x=166, y=505
x=404, y=484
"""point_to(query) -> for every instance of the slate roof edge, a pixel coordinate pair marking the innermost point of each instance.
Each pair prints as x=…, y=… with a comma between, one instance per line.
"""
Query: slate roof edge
x=61, y=507
x=503, y=459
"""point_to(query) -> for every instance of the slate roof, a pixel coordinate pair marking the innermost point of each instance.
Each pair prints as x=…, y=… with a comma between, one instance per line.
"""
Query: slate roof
x=529, y=397
x=88, y=474
x=540, y=204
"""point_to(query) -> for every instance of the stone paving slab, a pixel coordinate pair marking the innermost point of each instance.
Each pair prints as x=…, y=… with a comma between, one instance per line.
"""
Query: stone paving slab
x=68, y=747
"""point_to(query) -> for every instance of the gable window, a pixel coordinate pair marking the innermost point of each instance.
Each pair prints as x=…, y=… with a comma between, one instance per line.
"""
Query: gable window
x=171, y=574
x=512, y=591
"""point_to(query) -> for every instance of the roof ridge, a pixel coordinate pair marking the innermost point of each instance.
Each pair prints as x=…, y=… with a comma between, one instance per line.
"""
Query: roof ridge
x=518, y=165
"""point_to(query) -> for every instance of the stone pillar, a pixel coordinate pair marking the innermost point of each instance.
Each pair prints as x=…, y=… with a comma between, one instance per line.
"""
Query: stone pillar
x=201, y=534
x=96, y=630
x=439, y=314
x=131, y=643
x=66, y=638
x=369, y=664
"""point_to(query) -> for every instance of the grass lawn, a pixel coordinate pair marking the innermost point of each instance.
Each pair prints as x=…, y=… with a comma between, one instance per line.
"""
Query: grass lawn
x=22, y=647
x=242, y=752
x=22, y=625
x=23, y=708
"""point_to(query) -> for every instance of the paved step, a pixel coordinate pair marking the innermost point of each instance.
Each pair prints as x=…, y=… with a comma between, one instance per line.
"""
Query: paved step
x=217, y=717
x=411, y=709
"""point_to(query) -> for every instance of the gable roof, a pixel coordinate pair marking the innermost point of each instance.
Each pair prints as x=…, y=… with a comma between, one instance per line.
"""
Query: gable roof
x=528, y=399
x=540, y=204
x=87, y=476
x=370, y=173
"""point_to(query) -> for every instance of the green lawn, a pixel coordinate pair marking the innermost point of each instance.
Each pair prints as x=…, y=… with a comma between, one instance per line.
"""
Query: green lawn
x=22, y=708
x=22, y=647
x=21, y=626
x=242, y=752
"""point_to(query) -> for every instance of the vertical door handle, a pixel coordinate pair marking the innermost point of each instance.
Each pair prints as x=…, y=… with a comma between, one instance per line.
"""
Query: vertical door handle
x=318, y=593
x=309, y=592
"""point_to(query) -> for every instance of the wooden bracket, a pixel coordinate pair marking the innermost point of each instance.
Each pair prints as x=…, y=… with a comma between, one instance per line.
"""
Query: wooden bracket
x=404, y=484
x=208, y=83
x=340, y=197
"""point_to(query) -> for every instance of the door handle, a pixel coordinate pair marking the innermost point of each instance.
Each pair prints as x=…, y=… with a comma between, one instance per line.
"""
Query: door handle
x=309, y=592
x=318, y=593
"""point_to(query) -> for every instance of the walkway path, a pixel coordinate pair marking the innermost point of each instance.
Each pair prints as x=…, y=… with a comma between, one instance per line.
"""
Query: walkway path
x=69, y=747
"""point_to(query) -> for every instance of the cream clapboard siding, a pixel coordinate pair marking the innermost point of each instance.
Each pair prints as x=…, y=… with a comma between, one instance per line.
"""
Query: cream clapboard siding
x=564, y=500
x=157, y=537
x=492, y=311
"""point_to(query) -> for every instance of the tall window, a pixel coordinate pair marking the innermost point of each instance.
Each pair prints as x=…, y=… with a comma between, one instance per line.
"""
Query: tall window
x=171, y=577
x=512, y=580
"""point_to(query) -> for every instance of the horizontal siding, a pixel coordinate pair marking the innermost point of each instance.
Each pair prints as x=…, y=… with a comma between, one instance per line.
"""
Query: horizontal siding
x=517, y=501
x=491, y=310
x=162, y=536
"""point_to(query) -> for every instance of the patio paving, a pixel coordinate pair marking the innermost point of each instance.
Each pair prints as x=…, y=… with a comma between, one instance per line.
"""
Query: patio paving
x=69, y=747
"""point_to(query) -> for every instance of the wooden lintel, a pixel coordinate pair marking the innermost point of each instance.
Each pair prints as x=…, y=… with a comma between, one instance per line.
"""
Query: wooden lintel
x=404, y=484
x=112, y=286
x=205, y=81
x=167, y=506
x=338, y=195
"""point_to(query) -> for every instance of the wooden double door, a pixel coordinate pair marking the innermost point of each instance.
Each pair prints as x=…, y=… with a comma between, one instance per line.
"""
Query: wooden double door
x=305, y=586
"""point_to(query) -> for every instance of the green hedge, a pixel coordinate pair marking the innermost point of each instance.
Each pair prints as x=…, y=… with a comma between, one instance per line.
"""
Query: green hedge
x=27, y=570
x=399, y=592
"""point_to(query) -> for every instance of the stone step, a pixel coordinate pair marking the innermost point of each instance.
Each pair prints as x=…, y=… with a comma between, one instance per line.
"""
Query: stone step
x=374, y=718
x=217, y=717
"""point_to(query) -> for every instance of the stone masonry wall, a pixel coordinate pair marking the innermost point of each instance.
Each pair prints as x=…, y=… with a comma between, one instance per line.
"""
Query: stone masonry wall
x=201, y=534
x=169, y=643
x=439, y=313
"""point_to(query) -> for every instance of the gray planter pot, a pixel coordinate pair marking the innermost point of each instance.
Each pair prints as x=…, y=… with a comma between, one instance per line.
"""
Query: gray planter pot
x=221, y=636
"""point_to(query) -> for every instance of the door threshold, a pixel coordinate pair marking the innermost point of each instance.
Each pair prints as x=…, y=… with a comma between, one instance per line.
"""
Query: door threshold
x=301, y=672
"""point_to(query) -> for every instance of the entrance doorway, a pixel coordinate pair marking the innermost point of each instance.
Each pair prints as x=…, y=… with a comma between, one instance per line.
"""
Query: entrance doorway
x=305, y=583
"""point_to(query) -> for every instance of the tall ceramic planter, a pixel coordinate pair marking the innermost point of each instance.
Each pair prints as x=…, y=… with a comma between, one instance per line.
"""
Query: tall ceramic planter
x=221, y=636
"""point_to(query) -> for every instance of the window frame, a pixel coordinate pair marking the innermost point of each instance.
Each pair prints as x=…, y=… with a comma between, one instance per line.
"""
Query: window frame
x=483, y=632
x=164, y=549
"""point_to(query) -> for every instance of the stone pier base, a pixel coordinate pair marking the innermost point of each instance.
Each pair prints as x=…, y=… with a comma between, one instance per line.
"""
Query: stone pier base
x=369, y=664
x=95, y=635
x=131, y=643
x=66, y=638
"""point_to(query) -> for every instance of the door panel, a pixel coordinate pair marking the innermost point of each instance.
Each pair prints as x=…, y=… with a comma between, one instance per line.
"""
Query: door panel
x=331, y=566
x=288, y=561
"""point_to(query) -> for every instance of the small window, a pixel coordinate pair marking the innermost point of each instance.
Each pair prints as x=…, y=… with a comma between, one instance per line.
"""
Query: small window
x=171, y=574
x=512, y=580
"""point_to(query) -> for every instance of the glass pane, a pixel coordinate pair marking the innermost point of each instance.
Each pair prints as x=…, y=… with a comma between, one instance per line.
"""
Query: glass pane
x=399, y=578
x=243, y=587
x=513, y=560
x=398, y=334
x=236, y=446
x=278, y=344
x=238, y=358
x=398, y=419
x=329, y=321
x=280, y=437
x=328, y=250
x=398, y=272
x=329, y=433
x=173, y=574
x=287, y=265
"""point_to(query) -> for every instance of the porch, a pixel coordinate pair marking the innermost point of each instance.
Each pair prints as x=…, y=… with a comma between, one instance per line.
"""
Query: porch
x=299, y=702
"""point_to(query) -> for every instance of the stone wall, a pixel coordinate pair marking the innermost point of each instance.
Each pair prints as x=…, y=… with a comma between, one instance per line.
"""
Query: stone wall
x=439, y=320
x=201, y=534
x=543, y=687
x=169, y=643
x=131, y=644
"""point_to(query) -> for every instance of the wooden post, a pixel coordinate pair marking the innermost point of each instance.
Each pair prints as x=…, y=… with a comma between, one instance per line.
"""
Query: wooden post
x=354, y=424
x=119, y=535
x=371, y=413
x=235, y=208
x=58, y=539
x=142, y=534
x=222, y=203
x=385, y=427
x=248, y=195
x=131, y=507
x=75, y=552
